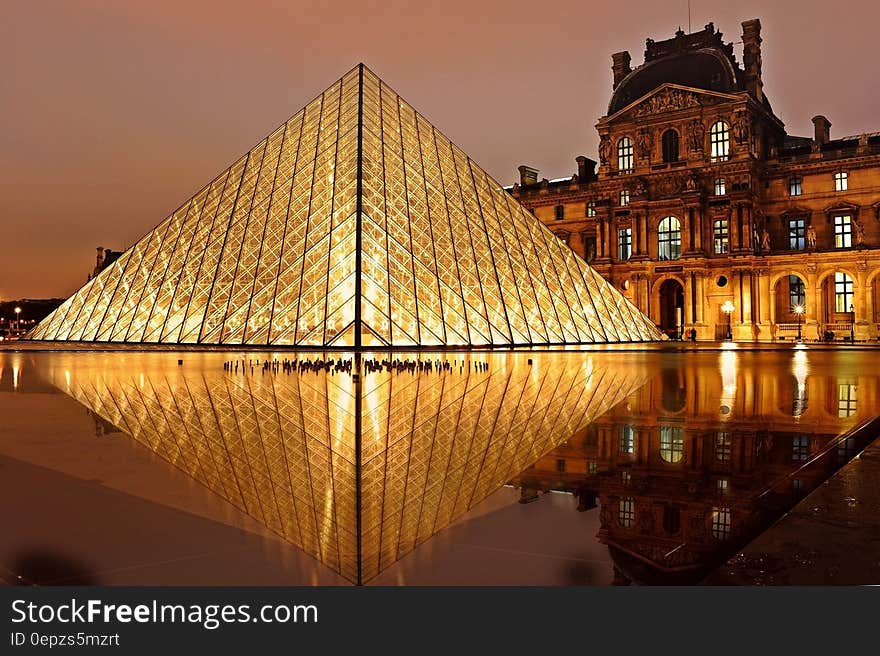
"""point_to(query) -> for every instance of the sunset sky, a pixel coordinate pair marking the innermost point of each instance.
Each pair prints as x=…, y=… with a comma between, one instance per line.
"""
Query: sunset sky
x=114, y=113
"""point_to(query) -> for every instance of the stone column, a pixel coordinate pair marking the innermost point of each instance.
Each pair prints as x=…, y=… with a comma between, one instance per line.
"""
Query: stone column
x=765, y=294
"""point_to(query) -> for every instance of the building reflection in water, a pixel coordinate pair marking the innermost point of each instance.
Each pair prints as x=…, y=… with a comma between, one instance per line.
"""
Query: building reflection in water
x=355, y=471
x=701, y=458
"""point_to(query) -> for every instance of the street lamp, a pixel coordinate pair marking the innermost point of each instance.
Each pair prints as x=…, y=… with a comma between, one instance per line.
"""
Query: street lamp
x=728, y=308
x=799, y=311
x=17, y=319
x=852, y=324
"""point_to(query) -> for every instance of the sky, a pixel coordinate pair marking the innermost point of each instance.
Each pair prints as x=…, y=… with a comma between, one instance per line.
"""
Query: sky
x=114, y=113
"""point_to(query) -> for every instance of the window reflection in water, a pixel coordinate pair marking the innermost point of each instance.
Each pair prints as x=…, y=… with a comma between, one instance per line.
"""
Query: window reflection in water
x=701, y=484
x=676, y=485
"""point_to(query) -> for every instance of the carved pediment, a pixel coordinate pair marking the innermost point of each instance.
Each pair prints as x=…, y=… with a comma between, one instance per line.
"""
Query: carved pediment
x=670, y=98
x=666, y=100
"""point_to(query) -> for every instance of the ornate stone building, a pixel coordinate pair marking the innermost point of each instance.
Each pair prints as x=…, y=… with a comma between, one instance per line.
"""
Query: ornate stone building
x=703, y=203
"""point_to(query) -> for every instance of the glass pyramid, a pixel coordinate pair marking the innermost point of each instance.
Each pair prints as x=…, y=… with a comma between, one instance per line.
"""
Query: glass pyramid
x=357, y=472
x=354, y=224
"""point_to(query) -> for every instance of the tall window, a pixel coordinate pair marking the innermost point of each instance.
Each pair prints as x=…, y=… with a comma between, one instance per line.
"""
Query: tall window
x=723, y=446
x=624, y=244
x=800, y=448
x=669, y=239
x=841, y=181
x=671, y=443
x=842, y=231
x=720, y=235
x=591, y=208
x=625, y=155
x=719, y=140
x=721, y=523
x=846, y=400
x=720, y=187
x=843, y=292
x=626, y=512
x=624, y=197
x=560, y=465
x=795, y=186
x=670, y=146
x=797, y=294
x=627, y=440
x=797, y=234
x=560, y=212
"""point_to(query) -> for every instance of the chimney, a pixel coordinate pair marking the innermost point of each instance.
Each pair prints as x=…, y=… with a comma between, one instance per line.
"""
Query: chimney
x=752, y=58
x=527, y=175
x=586, y=168
x=620, y=66
x=821, y=130
x=99, y=260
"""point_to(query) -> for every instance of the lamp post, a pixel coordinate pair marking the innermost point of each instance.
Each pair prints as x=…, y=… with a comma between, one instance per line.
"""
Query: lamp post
x=852, y=324
x=728, y=308
x=799, y=311
x=17, y=319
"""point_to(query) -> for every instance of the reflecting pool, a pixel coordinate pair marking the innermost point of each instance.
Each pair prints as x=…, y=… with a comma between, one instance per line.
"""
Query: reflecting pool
x=646, y=467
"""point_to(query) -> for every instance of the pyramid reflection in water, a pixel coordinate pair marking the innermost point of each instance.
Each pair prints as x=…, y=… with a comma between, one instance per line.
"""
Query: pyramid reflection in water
x=356, y=223
x=357, y=474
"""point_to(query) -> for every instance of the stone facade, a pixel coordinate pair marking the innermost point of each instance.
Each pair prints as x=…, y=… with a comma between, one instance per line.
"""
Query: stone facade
x=702, y=199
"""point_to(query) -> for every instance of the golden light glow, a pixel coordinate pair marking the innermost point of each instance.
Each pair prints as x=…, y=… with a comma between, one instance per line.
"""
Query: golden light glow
x=267, y=253
x=283, y=447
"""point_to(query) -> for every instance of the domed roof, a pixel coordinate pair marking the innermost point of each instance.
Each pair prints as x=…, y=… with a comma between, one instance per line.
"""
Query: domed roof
x=706, y=69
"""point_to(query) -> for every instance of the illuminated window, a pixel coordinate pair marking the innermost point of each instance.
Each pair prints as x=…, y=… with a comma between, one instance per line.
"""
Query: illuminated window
x=624, y=243
x=795, y=186
x=720, y=187
x=625, y=477
x=719, y=139
x=627, y=440
x=720, y=236
x=841, y=181
x=625, y=155
x=800, y=448
x=723, y=445
x=842, y=231
x=843, y=292
x=797, y=294
x=846, y=400
x=591, y=208
x=671, y=443
x=722, y=485
x=670, y=146
x=797, y=234
x=560, y=212
x=592, y=467
x=626, y=512
x=721, y=523
x=669, y=239
x=624, y=197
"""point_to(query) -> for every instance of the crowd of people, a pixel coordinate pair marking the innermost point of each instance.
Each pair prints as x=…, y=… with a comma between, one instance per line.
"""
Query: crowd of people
x=334, y=366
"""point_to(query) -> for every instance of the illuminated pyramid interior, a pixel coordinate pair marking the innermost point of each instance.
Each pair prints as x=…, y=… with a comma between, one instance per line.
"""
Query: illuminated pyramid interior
x=356, y=223
x=355, y=473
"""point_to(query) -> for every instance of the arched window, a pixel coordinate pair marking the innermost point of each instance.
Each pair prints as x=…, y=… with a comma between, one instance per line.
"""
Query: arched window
x=670, y=146
x=669, y=239
x=625, y=155
x=719, y=138
x=671, y=443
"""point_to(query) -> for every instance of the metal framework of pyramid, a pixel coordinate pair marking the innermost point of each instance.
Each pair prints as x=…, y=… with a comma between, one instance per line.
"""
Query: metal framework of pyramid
x=354, y=224
x=357, y=474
